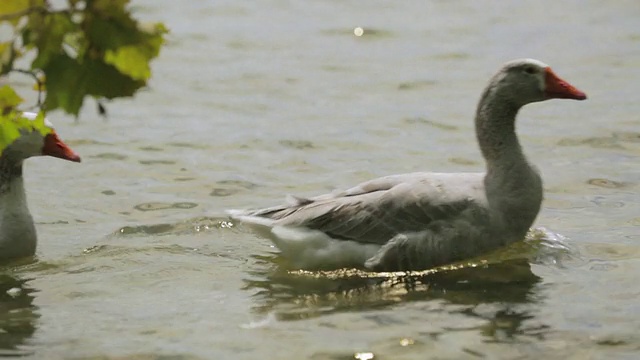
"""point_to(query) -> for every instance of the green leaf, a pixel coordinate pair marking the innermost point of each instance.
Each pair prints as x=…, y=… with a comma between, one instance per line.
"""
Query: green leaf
x=68, y=82
x=90, y=48
x=7, y=55
x=155, y=36
x=15, y=9
x=9, y=99
x=133, y=60
x=107, y=82
x=10, y=7
x=47, y=32
x=65, y=84
x=130, y=60
x=109, y=25
x=110, y=8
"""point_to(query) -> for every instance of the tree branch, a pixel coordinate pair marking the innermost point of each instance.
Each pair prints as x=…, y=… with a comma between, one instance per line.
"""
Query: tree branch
x=38, y=81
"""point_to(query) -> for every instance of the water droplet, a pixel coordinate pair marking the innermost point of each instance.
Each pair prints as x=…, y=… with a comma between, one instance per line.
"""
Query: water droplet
x=406, y=342
x=14, y=292
x=364, y=356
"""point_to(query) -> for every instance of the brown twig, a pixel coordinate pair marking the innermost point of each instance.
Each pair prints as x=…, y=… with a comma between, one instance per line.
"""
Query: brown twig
x=38, y=81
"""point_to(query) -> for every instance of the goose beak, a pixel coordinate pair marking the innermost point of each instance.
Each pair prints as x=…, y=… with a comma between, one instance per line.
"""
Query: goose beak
x=556, y=88
x=53, y=146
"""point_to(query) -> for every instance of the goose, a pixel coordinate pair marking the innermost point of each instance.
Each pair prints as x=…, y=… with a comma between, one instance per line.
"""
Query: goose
x=22, y=137
x=422, y=220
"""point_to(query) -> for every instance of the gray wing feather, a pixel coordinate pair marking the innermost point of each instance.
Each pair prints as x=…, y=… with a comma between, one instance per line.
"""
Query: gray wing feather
x=377, y=210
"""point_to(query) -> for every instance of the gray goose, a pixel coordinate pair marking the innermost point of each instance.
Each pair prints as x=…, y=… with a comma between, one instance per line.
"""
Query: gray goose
x=23, y=137
x=422, y=220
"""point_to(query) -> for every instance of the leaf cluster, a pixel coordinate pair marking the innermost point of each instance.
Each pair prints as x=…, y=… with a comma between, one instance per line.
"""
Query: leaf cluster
x=90, y=48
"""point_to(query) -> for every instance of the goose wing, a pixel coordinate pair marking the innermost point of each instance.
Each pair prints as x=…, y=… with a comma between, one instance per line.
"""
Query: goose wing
x=377, y=210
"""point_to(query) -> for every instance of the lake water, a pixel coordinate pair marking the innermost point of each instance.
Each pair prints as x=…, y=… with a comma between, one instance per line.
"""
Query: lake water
x=254, y=100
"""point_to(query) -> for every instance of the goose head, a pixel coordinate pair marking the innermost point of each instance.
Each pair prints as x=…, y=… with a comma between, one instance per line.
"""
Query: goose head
x=526, y=81
x=30, y=134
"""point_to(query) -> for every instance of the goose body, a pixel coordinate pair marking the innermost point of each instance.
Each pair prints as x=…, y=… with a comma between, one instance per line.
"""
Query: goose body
x=26, y=136
x=420, y=220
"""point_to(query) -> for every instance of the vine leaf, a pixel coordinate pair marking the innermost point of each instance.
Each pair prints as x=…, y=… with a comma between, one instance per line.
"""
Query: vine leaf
x=8, y=98
x=68, y=82
x=92, y=48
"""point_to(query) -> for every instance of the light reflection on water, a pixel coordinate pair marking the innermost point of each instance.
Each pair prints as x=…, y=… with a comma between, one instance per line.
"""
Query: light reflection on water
x=503, y=276
x=18, y=315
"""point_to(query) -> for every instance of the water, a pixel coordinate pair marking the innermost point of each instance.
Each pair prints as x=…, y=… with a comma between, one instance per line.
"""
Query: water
x=250, y=102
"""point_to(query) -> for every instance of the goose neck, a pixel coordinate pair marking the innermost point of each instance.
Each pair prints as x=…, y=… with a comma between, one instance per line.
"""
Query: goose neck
x=496, y=133
x=10, y=175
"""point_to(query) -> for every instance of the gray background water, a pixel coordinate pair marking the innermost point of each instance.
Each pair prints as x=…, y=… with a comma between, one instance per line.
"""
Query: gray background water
x=254, y=100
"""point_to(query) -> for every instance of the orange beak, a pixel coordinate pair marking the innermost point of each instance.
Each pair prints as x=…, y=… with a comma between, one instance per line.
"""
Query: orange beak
x=557, y=88
x=53, y=146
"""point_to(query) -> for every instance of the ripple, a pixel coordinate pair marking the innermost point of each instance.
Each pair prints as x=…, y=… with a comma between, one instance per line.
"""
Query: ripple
x=612, y=252
x=109, y=156
x=60, y=222
x=416, y=85
x=184, y=205
x=594, y=142
x=150, y=148
x=453, y=55
x=629, y=136
x=119, y=251
x=600, y=265
x=223, y=192
x=156, y=162
x=602, y=201
x=611, y=342
x=462, y=161
x=78, y=142
x=231, y=187
x=95, y=248
x=336, y=68
x=606, y=183
x=435, y=124
x=240, y=183
x=154, y=206
x=297, y=144
x=187, y=145
x=241, y=45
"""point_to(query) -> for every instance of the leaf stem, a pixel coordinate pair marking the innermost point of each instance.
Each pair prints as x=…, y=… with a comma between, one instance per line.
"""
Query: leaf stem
x=38, y=81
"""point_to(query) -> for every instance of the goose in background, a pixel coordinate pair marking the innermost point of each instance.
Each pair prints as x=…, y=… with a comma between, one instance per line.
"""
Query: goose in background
x=24, y=136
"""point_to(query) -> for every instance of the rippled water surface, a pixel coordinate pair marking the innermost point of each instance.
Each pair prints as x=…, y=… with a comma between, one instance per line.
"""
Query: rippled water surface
x=254, y=100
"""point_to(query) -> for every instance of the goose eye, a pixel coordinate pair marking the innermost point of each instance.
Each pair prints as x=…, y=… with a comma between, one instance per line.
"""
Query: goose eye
x=530, y=70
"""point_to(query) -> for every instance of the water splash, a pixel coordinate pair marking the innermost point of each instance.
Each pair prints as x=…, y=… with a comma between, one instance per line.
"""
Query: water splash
x=189, y=226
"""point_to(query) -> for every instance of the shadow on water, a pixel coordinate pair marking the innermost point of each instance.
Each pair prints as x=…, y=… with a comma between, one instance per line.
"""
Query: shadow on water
x=18, y=315
x=499, y=288
x=508, y=288
x=298, y=294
